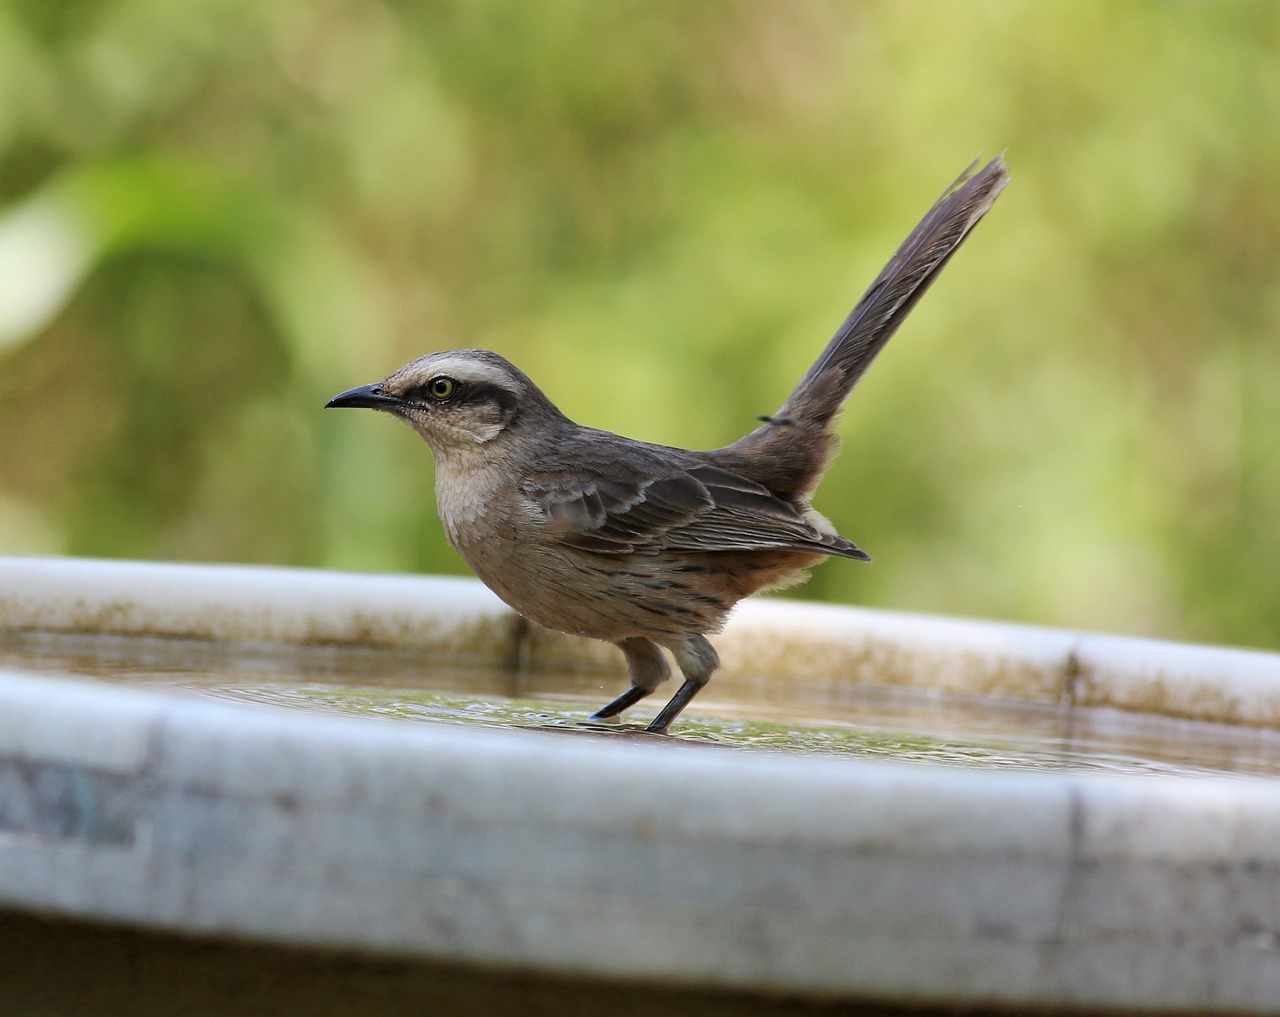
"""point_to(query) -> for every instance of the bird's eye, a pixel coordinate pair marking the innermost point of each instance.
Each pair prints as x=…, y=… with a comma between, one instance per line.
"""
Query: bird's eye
x=441, y=388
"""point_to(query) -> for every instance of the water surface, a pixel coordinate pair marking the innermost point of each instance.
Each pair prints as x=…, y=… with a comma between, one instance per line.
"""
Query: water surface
x=823, y=715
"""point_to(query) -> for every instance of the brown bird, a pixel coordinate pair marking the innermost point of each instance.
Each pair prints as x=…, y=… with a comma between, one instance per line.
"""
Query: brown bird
x=647, y=546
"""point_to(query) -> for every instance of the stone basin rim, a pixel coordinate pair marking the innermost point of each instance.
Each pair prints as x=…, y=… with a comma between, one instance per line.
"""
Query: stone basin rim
x=518, y=849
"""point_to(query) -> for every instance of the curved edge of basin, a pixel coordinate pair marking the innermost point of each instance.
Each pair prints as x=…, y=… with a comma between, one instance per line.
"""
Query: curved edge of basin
x=773, y=639
x=638, y=860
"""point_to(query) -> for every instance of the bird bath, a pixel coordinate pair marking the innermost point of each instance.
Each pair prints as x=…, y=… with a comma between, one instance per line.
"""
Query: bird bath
x=220, y=767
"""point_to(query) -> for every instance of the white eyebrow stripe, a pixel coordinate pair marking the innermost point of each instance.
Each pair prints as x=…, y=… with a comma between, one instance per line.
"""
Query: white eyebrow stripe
x=472, y=371
x=464, y=369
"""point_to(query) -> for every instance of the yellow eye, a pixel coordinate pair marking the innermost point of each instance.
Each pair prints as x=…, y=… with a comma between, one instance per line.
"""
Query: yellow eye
x=441, y=388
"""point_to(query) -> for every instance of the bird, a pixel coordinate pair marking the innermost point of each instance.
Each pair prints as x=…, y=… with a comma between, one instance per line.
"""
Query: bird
x=647, y=546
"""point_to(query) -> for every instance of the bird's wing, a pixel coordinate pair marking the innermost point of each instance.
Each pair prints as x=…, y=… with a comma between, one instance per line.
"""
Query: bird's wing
x=701, y=508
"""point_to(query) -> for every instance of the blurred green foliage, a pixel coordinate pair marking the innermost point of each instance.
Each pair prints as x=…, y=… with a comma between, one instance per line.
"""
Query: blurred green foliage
x=215, y=214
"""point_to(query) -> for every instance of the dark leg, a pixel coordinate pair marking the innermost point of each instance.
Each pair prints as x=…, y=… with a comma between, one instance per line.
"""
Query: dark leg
x=679, y=701
x=698, y=661
x=648, y=669
x=629, y=698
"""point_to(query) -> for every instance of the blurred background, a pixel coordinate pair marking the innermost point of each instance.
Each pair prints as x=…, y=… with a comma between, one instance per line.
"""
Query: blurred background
x=216, y=214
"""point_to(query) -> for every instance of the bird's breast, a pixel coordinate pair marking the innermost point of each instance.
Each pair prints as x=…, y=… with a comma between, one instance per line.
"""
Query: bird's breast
x=481, y=511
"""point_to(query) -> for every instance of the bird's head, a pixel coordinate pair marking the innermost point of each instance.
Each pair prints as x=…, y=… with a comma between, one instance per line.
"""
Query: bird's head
x=457, y=400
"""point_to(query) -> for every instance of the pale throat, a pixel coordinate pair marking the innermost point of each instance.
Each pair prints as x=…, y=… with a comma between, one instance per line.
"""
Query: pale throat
x=466, y=492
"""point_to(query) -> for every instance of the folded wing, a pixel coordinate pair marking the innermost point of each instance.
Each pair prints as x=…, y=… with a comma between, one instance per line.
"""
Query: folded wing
x=698, y=509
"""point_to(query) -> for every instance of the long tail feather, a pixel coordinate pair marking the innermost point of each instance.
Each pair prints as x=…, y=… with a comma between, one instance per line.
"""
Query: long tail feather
x=888, y=301
x=790, y=451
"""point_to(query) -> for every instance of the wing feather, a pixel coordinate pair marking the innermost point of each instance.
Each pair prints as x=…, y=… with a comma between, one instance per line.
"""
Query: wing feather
x=696, y=509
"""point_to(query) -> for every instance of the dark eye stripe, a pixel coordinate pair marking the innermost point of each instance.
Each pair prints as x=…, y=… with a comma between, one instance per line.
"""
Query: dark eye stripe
x=482, y=393
x=465, y=393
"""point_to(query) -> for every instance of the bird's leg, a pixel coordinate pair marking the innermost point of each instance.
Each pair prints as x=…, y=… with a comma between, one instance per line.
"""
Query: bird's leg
x=698, y=661
x=648, y=669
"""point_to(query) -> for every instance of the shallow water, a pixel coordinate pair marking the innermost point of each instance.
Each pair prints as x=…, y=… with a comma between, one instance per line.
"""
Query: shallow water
x=823, y=716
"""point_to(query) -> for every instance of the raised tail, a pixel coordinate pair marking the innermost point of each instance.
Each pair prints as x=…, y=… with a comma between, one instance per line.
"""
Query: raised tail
x=791, y=450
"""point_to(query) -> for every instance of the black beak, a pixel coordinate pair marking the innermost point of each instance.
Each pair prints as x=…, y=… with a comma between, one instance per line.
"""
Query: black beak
x=367, y=396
